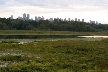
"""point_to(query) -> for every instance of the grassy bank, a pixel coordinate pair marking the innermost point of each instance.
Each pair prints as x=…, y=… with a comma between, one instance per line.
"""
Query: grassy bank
x=34, y=32
x=54, y=56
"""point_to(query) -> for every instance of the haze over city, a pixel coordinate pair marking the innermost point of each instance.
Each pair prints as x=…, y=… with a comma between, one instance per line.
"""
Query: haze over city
x=96, y=10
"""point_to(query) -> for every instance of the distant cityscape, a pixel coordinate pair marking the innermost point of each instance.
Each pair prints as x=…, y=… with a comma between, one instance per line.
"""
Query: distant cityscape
x=27, y=17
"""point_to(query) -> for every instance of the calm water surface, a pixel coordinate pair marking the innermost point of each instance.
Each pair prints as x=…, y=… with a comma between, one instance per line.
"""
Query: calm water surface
x=36, y=36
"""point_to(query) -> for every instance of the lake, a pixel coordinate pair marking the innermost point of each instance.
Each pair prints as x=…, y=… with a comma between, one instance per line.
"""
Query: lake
x=47, y=36
x=36, y=36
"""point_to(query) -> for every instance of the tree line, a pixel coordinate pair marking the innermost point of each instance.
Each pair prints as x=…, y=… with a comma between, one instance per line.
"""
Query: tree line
x=56, y=25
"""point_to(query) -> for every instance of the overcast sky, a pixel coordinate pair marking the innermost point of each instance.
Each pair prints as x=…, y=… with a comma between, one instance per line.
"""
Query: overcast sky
x=88, y=9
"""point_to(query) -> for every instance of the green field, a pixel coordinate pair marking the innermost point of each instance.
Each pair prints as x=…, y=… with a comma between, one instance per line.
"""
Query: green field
x=34, y=32
x=54, y=56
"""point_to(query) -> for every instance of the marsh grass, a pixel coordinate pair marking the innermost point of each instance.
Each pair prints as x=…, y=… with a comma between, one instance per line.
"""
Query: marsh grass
x=57, y=56
x=37, y=32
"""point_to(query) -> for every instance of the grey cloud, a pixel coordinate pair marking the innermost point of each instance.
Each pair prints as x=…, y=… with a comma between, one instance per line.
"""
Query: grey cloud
x=58, y=3
x=63, y=3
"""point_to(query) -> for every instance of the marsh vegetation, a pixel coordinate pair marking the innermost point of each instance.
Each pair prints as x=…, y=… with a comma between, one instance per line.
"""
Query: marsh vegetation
x=54, y=56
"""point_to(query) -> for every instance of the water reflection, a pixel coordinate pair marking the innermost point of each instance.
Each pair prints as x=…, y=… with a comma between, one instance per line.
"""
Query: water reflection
x=35, y=36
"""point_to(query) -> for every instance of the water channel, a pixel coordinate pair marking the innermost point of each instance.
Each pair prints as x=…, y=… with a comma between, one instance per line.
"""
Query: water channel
x=36, y=36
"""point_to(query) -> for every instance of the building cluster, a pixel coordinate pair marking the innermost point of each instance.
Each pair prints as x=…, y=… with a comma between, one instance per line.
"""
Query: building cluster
x=11, y=17
x=93, y=22
x=39, y=18
x=27, y=17
x=79, y=20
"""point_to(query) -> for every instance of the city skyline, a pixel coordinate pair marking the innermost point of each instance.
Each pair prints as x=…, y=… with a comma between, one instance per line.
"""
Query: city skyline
x=95, y=10
x=37, y=18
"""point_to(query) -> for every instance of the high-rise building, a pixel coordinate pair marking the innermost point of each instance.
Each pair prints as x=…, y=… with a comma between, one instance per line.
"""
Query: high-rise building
x=65, y=19
x=97, y=22
x=61, y=19
x=51, y=19
x=36, y=19
x=11, y=17
x=20, y=18
x=75, y=19
x=78, y=20
x=82, y=20
x=39, y=18
x=24, y=16
x=92, y=22
x=28, y=16
x=69, y=19
x=58, y=18
x=42, y=18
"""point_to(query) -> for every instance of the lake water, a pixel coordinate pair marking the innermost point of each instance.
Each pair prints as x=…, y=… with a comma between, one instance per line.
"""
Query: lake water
x=46, y=36
x=93, y=36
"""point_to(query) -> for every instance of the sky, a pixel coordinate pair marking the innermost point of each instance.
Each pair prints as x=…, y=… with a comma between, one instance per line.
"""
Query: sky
x=95, y=10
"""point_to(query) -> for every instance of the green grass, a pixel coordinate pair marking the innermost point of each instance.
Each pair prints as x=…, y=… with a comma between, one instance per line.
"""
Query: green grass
x=35, y=32
x=56, y=56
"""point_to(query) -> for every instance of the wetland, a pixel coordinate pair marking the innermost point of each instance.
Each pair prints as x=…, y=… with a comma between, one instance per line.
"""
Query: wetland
x=53, y=54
